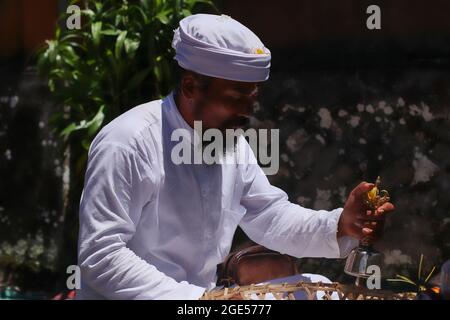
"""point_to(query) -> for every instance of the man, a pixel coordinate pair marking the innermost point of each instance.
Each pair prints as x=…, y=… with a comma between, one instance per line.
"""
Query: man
x=153, y=229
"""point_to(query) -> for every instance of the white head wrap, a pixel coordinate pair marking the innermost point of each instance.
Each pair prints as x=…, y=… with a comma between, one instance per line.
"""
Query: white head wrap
x=221, y=47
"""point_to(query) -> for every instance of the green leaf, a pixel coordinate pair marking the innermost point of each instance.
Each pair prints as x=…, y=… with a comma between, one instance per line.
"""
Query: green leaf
x=396, y=280
x=429, y=275
x=98, y=6
x=88, y=12
x=68, y=130
x=86, y=143
x=131, y=46
x=162, y=17
x=419, y=273
x=186, y=12
x=58, y=33
x=51, y=85
x=110, y=32
x=405, y=279
x=141, y=12
x=52, y=50
x=92, y=126
x=96, y=122
x=119, y=44
x=96, y=29
x=70, y=57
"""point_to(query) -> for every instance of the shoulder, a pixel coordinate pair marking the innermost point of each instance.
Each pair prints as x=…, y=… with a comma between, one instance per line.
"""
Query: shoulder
x=137, y=131
x=132, y=127
x=133, y=136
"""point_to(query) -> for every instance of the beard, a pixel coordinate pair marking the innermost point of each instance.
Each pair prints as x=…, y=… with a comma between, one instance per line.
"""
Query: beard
x=237, y=122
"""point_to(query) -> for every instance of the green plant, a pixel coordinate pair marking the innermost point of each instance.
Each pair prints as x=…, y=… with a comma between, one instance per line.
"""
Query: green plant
x=119, y=58
x=420, y=283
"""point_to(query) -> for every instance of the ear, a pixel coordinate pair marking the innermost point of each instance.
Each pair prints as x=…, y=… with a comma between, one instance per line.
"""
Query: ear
x=188, y=87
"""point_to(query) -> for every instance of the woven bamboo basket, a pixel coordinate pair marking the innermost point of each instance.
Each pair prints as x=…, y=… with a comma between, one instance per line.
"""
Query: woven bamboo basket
x=285, y=291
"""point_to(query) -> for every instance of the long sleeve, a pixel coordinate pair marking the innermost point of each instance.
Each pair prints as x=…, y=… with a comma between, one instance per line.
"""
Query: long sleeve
x=274, y=222
x=118, y=184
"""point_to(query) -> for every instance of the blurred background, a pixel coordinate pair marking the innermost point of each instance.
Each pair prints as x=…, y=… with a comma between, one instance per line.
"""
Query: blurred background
x=351, y=104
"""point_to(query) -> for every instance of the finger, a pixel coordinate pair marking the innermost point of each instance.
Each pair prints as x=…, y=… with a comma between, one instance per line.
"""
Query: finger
x=386, y=207
x=366, y=224
x=362, y=188
x=371, y=224
x=367, y=231
x=363, y=218
x=360, y=232
x=359, y=225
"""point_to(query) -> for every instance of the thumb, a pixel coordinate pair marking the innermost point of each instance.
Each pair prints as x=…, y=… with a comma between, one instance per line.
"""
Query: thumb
x=363, y=188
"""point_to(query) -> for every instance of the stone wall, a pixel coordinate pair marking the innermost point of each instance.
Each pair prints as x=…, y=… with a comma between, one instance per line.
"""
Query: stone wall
x=31, y=171
x=339, y=126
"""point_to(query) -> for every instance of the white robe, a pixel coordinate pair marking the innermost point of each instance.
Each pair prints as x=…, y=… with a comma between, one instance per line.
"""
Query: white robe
x=150, y=229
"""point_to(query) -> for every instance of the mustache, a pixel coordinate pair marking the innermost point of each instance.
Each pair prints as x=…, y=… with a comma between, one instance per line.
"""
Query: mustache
x=237, y=122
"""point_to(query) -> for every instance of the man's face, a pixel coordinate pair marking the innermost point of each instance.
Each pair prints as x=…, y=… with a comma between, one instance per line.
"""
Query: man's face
x=225, y=104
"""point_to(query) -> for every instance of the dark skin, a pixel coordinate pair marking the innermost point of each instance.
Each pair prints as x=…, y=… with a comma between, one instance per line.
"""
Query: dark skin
x=227, y=104
x=223, y=105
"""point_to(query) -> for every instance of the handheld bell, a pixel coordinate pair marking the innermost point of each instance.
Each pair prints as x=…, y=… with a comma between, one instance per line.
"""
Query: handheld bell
x=360, y=259
x=363, y=256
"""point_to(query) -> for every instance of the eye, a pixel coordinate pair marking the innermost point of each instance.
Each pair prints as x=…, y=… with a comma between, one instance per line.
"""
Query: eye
x=232, y=99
